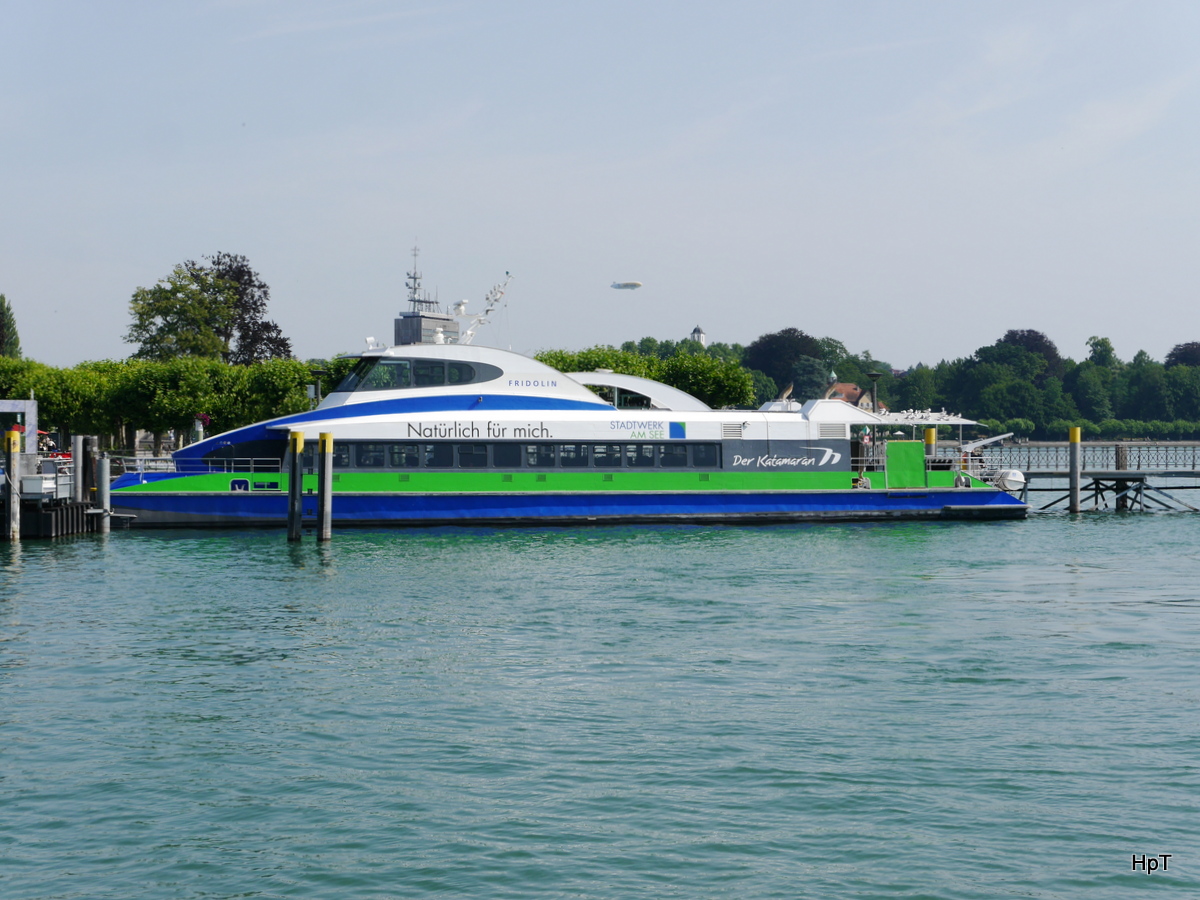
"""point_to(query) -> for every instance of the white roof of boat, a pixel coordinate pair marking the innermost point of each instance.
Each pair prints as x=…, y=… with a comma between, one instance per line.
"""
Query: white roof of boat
x=838, y=411
x=925, y=417
x=661, y=396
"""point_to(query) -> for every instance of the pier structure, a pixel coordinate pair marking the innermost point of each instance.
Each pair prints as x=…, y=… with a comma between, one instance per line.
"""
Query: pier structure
x=1116, y=475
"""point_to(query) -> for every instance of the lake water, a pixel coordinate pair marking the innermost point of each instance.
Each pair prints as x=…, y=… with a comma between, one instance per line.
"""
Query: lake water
x=959, y=710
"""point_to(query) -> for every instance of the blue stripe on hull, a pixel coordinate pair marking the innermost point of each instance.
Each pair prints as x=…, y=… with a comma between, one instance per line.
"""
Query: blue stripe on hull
x=418, y=509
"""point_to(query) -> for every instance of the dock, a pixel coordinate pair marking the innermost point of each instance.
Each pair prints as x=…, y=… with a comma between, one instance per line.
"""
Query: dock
x=1116, y=475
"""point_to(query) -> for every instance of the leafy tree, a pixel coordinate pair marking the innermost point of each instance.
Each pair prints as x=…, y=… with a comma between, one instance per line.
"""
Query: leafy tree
x=1102, y=353
x=1183, y=385
x=1145, y=390
x=833, y=351
x=10, y=341
x=1091, y=387
x=187, y=314
x=249, y=336
x=1180, y=355
x=726, y=352
x=917, y=389
x=809, y=378
x=775, y=354
x=1038, y=344
x=1022, y=363
x=765, y=388
x=715, y=382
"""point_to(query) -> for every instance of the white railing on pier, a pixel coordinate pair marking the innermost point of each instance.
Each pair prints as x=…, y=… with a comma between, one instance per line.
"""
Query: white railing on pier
x=1097, y=455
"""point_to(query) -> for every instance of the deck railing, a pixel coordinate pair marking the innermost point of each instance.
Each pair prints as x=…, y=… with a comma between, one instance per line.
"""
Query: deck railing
x=147, y=464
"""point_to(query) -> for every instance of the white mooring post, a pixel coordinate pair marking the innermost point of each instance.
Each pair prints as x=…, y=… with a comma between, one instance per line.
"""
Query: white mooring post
x=103, y=483
x=12, y=485
x=325, y=486
x=1076, y=469
x=296, y=486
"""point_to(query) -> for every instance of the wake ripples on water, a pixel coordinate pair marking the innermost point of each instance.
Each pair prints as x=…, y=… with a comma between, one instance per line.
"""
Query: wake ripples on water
x=954, y=710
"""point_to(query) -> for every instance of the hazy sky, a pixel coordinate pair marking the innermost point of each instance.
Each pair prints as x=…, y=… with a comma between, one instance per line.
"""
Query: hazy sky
x=912, y=178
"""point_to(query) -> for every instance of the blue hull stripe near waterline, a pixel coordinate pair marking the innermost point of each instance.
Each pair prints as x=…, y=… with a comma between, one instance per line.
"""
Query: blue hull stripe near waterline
x=401, y=508
x=393, y=406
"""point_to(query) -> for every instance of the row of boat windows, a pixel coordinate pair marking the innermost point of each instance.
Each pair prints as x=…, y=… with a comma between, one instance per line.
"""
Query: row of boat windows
x=369, y=455
x=384, y=373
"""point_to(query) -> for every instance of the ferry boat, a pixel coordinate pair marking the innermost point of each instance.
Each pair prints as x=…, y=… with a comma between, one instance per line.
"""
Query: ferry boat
x=437, y=431
x=450, y=434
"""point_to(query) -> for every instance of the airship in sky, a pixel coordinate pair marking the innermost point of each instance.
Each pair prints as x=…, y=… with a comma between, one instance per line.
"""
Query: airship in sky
x=626, y=285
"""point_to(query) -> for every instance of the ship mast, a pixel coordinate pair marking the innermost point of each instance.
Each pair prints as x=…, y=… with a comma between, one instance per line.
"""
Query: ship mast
x=419, y=300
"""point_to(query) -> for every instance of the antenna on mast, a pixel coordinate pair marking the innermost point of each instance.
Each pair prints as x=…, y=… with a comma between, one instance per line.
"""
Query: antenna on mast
x=490, y=302
x=419, y=300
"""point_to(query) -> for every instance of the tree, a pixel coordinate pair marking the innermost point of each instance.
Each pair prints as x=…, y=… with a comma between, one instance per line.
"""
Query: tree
x=1102, y=353
x=775, y=354
x=833, y=351
x=714, y=381
x=1184, y=355
x=765, y=388
x=808, y=379
x=918, y=389
x=1037, y=343
x=250, y=337
x=187, y=314
x=10, y=342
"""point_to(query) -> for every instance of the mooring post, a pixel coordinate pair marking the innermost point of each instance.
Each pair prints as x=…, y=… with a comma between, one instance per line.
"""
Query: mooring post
x=930, y=442
x=325, y=486
x=103, y=483
x=295, y=486
x=12, y=485
x=1076, y=467
x=1121, y=454
x=77, y=468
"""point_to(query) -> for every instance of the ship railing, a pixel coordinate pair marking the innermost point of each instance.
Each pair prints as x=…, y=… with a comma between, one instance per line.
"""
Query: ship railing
x=868, y=462
x=148, y=464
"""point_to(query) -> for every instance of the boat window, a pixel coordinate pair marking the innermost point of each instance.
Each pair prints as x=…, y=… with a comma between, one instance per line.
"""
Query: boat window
x=439, y=456
x=385, y=373
x=706, y=456
x=572, y=456
x=639, y=454
x=606, y=456
x=459, y=373
x=378, y=373
x=472, y=456
x=539, y=456
x=428, y=372
x=405, y=456
x=604, y=392
x=627, y=399
x=672, y=456
x=341, y=455
x=507, y=456
x=371, y=456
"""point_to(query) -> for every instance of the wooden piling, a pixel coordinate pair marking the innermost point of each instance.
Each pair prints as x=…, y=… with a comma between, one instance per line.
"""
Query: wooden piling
x=1075, y=464
x=295, y=486
x=12, y=485
x=325, y=486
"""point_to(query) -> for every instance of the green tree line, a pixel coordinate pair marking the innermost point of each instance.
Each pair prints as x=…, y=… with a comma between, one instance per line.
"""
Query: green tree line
x=115, y=399
x=1020, y=383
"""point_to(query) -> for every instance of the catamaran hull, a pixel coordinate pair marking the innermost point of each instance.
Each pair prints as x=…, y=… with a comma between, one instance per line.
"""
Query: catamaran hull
x=412, y=509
